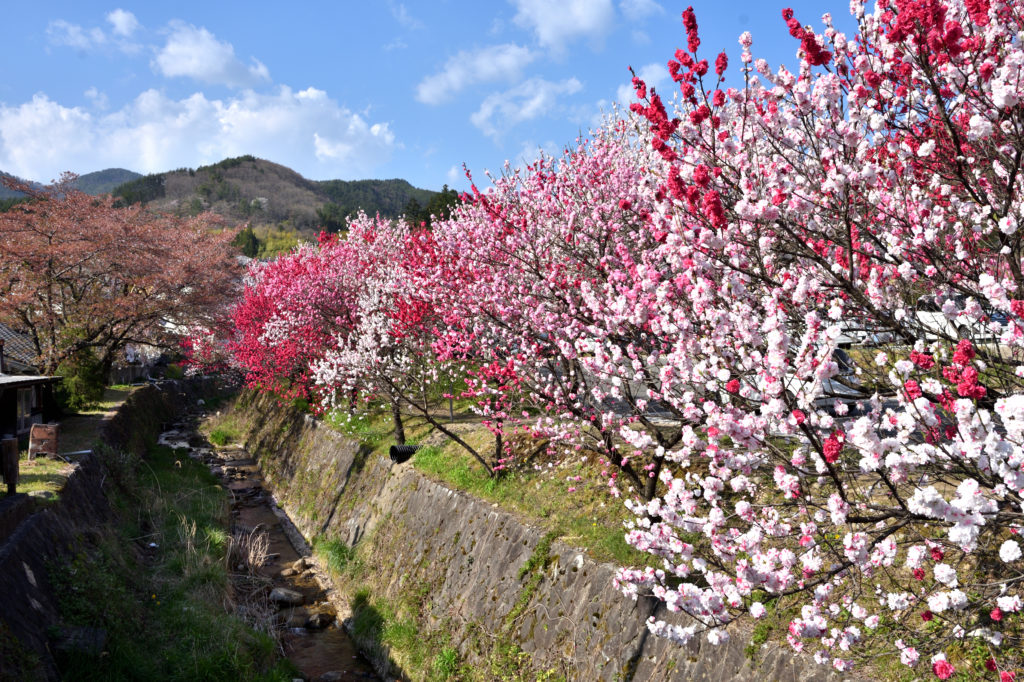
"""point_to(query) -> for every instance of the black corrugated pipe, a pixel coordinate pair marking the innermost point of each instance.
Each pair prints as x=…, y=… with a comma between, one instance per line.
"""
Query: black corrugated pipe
x=401, y=453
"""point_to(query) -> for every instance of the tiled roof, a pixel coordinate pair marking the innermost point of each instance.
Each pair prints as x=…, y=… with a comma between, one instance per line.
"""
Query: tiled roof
x=17, y=348
x=16, y=380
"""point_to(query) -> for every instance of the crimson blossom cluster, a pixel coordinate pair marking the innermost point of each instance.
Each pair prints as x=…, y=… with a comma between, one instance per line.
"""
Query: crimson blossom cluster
x=671, y=293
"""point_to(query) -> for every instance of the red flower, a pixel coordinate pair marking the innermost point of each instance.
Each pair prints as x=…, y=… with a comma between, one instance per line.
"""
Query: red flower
x=996, y=614
x=919, y=573
x=937, y=554
x=926, y=616
x=733, y=386
x=964, y=352
x=832, y=446
x=943, y=670
x=990, y=664
x=913, y=389
x=1007, y=676
x=721, y=63
x=922, y=360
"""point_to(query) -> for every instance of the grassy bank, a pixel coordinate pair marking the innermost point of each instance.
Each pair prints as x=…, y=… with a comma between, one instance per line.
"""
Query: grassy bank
x=158, y=584
x=559, y=491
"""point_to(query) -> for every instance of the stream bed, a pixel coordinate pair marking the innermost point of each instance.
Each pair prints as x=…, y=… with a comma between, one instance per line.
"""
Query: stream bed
x=297, y=591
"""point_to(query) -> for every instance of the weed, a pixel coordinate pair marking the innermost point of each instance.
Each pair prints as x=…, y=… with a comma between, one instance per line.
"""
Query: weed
x=446, y=664
x=222, y=436
x=164, y=619
x=336, y=553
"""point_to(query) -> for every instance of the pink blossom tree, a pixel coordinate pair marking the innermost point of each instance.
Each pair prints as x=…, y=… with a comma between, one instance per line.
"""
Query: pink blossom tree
x=885, y=169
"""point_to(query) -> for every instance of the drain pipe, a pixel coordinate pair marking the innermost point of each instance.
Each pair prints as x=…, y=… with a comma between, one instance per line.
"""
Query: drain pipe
x=402, y=453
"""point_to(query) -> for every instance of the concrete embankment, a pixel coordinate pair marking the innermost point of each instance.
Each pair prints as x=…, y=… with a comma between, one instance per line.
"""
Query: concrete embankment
x=486, y=579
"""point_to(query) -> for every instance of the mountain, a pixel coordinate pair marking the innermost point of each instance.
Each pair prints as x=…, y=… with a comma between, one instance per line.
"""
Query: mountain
x=262, y=193
x=388, y=197
x=104, y=181
x=5, y=191
x=99, y=182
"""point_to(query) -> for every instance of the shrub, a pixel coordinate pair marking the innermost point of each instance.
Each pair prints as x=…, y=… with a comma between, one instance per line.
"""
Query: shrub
x=83, y=383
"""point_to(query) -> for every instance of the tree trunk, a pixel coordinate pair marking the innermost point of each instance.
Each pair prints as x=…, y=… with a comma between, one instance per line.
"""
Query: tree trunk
x=498, y=450
x=399, y=430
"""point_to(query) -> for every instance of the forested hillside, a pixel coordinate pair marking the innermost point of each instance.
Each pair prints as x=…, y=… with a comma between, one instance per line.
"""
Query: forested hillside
x=262, y=193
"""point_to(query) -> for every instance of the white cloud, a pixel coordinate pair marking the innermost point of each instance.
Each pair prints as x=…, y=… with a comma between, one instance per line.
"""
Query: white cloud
x=196, y=53
x=401, y=14
x=654, y=75
x=97, y=97
x=556, y=24
x=65, y=34
x=531, y=151
x=496, y=62
x=61, y=32
x=638, y=10
x=124, y=22
x=530, y=99
x=454, y=175
x=305, y=130
x=639, y=37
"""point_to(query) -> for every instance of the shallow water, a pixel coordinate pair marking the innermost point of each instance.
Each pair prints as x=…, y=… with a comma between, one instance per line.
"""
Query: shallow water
x=314, y=651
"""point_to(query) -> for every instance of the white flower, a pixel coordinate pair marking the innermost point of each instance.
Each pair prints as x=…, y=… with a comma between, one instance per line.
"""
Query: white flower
x=757, y=609
x=1008, y=224
x=1009, y=551
x=926, y=149
x=945, y=574
x=980, y=128
x=938, y=602
x=718, y=636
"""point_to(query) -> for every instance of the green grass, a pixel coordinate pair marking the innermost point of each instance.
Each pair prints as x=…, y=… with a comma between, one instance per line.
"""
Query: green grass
x=338, y=556
x=422, y=652
x=223, y=436
x=372, y=429
x=587, y=517
x=42, y=475
x=224, y=428
x=79, y=431
x=164, y=617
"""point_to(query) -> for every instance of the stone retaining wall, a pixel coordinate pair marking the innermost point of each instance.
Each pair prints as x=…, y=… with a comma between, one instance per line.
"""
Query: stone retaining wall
x=467, y=555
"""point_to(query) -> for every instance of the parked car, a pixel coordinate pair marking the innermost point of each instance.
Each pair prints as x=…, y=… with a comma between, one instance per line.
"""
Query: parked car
x=844, y=386
x=936, y=324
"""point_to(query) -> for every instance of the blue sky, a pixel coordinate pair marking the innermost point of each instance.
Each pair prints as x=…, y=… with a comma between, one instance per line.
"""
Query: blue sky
x=344, y=89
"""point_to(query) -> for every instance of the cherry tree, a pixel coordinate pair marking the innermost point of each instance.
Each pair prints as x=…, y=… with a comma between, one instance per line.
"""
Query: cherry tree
x=78, y=273
x=528, y=260
x=672, y=292
x=398, y=347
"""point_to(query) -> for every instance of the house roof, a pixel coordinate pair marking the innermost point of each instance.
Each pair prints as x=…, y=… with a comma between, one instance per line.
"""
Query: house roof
x=22, y=380
x=18, y=349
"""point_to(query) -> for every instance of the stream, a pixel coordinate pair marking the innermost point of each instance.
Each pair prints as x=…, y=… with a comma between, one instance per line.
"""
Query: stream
x=305, y=621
